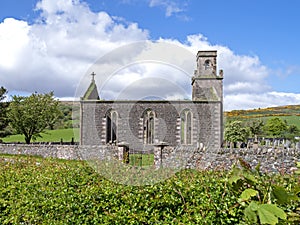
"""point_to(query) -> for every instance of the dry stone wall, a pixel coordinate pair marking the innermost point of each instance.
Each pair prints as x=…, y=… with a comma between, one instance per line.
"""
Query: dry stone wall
x=69, y=152
x=271, y=160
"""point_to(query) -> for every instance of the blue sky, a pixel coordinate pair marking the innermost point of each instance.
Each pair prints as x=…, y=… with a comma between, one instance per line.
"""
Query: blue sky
x=258, y=42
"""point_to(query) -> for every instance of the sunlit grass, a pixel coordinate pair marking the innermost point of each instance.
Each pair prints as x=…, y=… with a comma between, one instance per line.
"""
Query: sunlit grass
x=65, y=135
x=141, y=159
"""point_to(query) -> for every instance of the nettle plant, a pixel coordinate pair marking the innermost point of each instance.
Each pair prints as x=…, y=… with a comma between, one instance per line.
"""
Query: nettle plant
x=266, y=199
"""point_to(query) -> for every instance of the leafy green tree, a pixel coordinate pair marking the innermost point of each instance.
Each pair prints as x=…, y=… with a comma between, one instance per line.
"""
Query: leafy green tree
x=235, y=131
x=3, y=91
x=293, y=129
x=292, y=132
x=255, y=127
x=3, y=109
x=275, y=127
x=31, y=115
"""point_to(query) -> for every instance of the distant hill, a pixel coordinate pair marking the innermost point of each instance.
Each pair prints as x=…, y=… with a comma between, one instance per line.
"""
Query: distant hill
x=290, y=113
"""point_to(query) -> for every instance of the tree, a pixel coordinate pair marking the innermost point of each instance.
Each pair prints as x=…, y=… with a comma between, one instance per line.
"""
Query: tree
x=3, y=109
x=235, y=131
x=275, y=127
x=31, y=115
x=3, y=91
x=292, y=132
x=255, y=127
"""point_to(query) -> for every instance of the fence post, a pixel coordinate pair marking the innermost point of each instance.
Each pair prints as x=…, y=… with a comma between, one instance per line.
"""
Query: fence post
x=123, y=152
x=158, y=154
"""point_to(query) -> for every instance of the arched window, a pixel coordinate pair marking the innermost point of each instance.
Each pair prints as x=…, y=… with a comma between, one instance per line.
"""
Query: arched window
x=111, y=126
x=148, y=124
x=186, y=127
x=207, y=64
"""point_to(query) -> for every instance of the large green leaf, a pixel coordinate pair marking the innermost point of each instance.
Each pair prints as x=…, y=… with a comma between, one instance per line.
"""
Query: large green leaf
x=248, y=193
x=281, y=195
x=250, y=212
x=234, y=179
x=269, y=214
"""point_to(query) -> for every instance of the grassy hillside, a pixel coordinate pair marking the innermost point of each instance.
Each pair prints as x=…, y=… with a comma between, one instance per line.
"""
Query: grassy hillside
x=290, y=113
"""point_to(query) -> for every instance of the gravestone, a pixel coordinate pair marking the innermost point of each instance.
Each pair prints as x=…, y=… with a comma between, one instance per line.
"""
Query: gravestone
x=298, y=146
x=287, y=144
x=267, y=143
x=255, y=143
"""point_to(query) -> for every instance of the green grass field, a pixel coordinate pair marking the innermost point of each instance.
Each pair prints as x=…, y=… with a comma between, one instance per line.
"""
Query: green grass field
x=289, y=113
x=291, y=120
x=49, y=136
x=141, y=159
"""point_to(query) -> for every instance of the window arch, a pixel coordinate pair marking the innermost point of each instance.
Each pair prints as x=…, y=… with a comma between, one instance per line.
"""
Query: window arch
x=111, y=126
x=186, y=127
x=148, y=125
x=207, y=64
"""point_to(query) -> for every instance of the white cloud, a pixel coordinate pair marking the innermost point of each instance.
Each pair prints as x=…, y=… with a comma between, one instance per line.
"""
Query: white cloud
x=147, y=79
x=242, y=73
x=262, y=100
x=13, y=40
x=171, y=7
x=53, y=53
x=245, y=87
x=56, y=51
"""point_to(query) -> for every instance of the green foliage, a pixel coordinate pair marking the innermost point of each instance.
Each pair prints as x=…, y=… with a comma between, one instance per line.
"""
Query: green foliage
x=69, y=117
x=48, y=191
x=292, y=132
x=275, y=127
x=235, y=131
x=3, y=91
x=34, y=190
x=32, y=115
x=263, y=197
x=3, y=111
x=290, y=113
x=267, y=213
x=255, y=127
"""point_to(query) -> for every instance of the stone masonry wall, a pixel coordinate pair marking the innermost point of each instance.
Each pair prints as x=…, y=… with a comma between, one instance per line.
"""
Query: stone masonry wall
x=271, y=160
x=207, y=124
x=69, y=152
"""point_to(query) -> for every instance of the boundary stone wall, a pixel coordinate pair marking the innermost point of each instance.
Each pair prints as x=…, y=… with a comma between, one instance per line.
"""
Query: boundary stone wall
x=271, y=160
x=68, y=152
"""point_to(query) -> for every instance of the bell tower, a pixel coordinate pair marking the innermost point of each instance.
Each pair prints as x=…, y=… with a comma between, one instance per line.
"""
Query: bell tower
x=207, y=85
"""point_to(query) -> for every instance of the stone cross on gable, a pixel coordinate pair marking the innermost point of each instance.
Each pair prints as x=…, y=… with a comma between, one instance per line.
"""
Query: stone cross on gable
x=93, y=76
